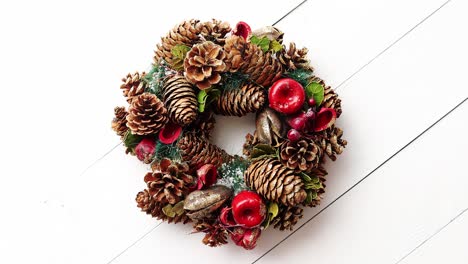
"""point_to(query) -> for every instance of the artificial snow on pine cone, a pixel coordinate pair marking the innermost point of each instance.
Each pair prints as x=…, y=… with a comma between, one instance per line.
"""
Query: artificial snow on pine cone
x=203, y=69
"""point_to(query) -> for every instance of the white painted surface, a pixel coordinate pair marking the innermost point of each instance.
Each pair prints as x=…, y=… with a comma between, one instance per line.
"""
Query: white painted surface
x=61, y=65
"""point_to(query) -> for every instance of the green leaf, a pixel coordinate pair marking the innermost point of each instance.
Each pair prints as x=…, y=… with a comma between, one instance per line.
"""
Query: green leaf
x=131, y=141
x=276, y=46
x=179, y=51
x=273, y=210
x=315, y=90
x=202, y=96
x=168, y=210
x=178, y=208
x=306, y=177
x=260, y=151
x=268, y=149
x=263, y=43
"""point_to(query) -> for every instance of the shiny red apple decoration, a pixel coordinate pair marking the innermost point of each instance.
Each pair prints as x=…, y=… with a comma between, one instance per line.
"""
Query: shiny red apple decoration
x=242, y=29
x=248, y=209
x=145, y=149
x=169, y=133
x=324, y=119
x=286, y=96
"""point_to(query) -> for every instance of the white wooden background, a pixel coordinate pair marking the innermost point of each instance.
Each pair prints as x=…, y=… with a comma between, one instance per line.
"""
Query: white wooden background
x=398, y=194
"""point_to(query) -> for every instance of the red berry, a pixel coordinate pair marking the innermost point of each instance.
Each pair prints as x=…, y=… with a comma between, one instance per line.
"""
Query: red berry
x=248, y=209
x=326, y=117
x=242, y=29
x=294, y=135
x=206, y=176
x=310, y=114
x=286, y=96
x=298, y=122
x=311, y=102
x=169, y=133
x=145, y=149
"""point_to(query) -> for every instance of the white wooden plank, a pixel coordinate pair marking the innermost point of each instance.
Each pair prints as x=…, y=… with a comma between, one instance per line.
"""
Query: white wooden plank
x=448, y=246
x=395, y=209
x=373, y=134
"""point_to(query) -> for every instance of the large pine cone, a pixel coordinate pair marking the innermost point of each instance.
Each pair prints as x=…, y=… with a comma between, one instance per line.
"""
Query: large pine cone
x=302, y=155
x=169, y=182
x=119, y=123
x=149, y=205
x=197, y=150
x=287, y=218
x=204, y=64
x=147, y=115
x=133, y=85
x=263, y=68
x=186, y=33
x=216, y=234
x=238, y=102
x=293, y=58
x=331, y=142
x=331, y=99
x=180, y=100
x=214, y=30
x=238, y=52
x=274, y=181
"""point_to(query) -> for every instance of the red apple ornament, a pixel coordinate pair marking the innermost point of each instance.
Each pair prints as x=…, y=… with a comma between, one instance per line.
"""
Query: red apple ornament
x=324, y=119
x=206, y=176
x=286, y=96
x=145, y=149
x=169, y=133
x=242, y=29
x=248, y=209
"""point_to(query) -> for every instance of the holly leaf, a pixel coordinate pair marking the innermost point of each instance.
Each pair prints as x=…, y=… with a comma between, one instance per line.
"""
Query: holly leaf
x=131, y=141
x=179, y=51
x=275, y=46
x=315, y=90
x=263, y=43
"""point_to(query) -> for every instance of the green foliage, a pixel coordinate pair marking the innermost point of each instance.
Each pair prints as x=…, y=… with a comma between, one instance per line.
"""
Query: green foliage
x=273, y=210
x=261, y=151
x=302, y=76
x=170, y=151
x=266, y=44
x=155, y=79
x=231, y=174
x=207, y=96
x=179, y=52
x=312, y=184
x=315, y=90
x=172, y=211
x=131, y=141
x=233, y=80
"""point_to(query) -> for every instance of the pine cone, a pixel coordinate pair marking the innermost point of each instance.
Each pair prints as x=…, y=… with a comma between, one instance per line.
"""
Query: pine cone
x=330, y=99
x=119, y=123
x=133, y=85
x=204, y=64
x=287, y=218
x=293, y=58
x=250, y=142
x=186, y=33
x=204, y=124
x=148, y=205
x=262, y=68
x=302, y=155
x=216, y=234
x=197, y=150
x=180, y=100
x=330, y=141
x=238, y=51
x=170, y=182
x=274, y=181
x=238, y=102
x=147, y=115
x=214, y=30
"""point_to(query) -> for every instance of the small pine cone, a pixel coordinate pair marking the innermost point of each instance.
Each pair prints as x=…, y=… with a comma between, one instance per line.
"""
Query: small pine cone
x=186, y=33
x=133, y=85
x=204, y=64
x=119, y=123
x=204, y=124
x=331, y=142
x=170, y=182
x=302, y=155
x=238, y=102
x=293, y=58
x=180, y=100
x=274, y=181
x=197, y=150
x=287, y=218
x=262, y=68
x=216, y=234
x=146, y=115
x=250, y=142
x=330, y=99
x=148, y=205
x=238, y=52
x=214, y=30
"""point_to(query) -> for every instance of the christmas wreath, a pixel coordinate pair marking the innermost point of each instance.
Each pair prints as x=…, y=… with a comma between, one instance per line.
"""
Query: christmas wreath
x=203, y=69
